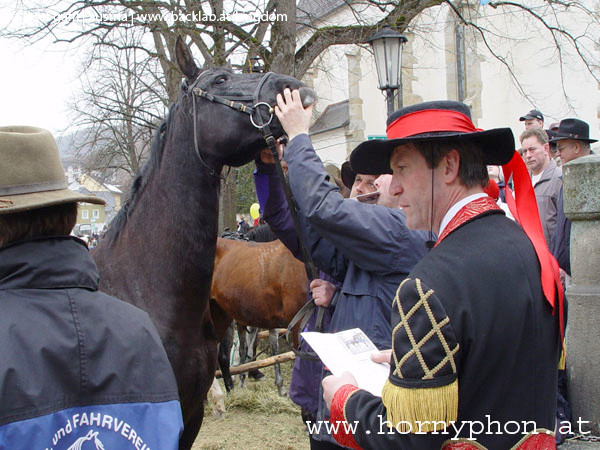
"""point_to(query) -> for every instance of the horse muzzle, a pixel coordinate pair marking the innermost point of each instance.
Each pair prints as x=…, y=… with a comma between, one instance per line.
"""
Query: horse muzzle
x=308, y=96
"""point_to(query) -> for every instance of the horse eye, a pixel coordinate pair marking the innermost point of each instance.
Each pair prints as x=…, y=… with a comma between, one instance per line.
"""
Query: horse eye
x=222, y=79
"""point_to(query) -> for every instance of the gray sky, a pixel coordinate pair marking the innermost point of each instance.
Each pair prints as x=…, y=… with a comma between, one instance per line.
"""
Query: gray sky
x=36, y=82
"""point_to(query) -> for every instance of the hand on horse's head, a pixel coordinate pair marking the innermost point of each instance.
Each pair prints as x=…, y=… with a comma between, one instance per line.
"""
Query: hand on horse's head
x=294, y=118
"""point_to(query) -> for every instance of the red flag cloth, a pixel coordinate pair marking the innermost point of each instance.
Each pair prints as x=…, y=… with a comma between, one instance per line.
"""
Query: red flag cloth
x=492, y=189
x=525, y=211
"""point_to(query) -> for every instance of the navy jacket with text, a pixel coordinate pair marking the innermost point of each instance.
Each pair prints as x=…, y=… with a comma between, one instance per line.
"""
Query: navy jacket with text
x=79, y=369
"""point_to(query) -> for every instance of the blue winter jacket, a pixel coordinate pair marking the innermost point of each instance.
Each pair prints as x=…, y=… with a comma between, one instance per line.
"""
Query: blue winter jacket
x=79, y=368
x=368, y=248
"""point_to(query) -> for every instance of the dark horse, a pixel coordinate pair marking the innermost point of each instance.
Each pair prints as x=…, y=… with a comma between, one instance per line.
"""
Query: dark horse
x=159, y=251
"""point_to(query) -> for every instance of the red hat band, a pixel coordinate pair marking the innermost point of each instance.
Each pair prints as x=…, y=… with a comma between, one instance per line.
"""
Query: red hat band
x=430, y=121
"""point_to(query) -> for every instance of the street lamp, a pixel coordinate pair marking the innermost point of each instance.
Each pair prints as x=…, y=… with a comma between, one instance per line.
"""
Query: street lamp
x=387, y=48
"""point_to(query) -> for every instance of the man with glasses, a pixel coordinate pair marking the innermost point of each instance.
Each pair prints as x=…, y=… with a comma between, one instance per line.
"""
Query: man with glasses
x=572, y=142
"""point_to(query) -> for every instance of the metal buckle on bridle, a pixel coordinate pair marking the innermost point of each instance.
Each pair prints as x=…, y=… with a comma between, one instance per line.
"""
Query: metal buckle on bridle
x=255, y=108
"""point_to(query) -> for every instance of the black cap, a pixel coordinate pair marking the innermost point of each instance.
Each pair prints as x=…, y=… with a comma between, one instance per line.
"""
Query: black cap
x=533, y=114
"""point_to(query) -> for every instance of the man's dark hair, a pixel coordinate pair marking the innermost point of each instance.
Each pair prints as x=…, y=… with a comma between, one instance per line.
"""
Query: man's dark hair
x=472, y=170
x=56, y=220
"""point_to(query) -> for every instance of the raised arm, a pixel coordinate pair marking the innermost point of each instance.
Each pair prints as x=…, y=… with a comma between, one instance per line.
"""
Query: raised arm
x=374, y=237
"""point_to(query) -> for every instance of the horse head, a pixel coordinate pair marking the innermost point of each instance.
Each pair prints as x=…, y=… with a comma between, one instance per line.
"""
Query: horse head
x=230, y=108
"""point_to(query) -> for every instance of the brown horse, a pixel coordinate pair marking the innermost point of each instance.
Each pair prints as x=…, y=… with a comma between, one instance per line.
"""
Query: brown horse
x=259, y=284
x=159, y=251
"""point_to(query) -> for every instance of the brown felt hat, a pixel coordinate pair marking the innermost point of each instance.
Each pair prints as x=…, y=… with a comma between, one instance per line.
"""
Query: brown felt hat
x=31, y=174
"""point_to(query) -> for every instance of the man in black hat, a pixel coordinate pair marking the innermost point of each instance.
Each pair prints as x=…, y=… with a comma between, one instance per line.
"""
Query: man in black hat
x=77, y=365
x=572, y=141
x=533, y=119
x=359, y=184
x=475, y=346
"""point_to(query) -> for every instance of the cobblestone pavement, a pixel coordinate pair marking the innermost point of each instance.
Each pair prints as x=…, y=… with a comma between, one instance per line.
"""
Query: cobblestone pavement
x=579, y=445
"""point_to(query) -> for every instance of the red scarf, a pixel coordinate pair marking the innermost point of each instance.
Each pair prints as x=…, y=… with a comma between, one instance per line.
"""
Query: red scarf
x=525, y=212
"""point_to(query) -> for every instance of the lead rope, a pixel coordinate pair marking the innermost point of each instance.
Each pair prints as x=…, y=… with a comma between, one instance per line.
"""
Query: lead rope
x=306, y=312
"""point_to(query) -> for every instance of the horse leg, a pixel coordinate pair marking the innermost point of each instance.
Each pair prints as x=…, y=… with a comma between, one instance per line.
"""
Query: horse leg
x=274, y=341
x=215, y=394
x=190, y=429
x=243, y=351
x=252, y=338
x=224, y=352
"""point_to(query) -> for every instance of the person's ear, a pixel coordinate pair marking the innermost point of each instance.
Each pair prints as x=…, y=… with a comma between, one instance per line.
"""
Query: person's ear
x=451, y=165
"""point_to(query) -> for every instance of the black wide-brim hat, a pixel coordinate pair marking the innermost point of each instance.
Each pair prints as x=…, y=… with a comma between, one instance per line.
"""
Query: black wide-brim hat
x=437, y=121
x=572, y=129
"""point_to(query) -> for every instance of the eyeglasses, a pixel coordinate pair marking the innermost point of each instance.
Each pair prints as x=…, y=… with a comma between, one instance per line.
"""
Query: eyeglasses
x=560, y=148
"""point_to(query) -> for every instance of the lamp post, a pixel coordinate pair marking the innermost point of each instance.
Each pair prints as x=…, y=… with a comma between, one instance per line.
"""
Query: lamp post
x=387, y=48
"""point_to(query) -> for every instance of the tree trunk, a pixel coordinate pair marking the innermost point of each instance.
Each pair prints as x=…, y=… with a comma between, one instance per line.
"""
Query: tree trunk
x=227, y=205
x=283, y=36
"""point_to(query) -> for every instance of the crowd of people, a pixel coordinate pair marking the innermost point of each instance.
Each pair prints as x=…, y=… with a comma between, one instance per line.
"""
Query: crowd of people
x=441, y=170
x=415, y=258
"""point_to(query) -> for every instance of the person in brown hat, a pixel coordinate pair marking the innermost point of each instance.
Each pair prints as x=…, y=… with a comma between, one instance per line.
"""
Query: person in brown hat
x=76, y=364
x=475, y=343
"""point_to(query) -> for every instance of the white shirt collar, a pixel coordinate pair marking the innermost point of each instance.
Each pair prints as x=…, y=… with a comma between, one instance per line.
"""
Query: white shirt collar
x=456, y=208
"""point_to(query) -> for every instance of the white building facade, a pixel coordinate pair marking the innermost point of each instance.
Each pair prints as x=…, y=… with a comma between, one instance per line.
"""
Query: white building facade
x=446, y=60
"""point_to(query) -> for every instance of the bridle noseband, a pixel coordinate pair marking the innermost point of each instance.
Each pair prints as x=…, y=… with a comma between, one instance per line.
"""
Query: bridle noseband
x=234, y=102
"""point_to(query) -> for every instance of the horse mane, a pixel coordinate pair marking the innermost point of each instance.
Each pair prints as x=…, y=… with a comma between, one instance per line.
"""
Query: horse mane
x=141, y=179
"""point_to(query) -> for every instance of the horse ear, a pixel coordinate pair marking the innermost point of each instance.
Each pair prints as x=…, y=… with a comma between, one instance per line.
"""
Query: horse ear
x=185, y=60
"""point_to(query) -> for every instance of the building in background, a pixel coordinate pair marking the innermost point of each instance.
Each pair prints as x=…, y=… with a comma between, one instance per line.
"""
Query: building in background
x=443, y=59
